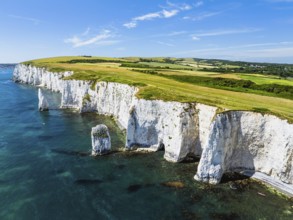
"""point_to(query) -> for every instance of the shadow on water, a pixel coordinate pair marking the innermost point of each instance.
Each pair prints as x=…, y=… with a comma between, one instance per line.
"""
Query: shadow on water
x=112, y=152
x=235, y=181
x=71, y=153
x=175, y=185
x=88, y=182
x=80, y=153
x=233, y=176
x=121, y=166
x=191, y=159
x=136, y=187
x=224, y=216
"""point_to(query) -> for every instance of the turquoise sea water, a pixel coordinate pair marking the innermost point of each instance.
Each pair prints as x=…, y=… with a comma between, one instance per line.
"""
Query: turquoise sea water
x=45, y=172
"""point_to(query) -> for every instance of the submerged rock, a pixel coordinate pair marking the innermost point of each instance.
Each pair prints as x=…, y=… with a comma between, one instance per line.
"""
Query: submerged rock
x=173, y=184
x=101, y=141
x=43, y=103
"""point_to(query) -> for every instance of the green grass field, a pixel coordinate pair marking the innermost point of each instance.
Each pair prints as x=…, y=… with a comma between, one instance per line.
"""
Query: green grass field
x=172, y=82
x=261, y=79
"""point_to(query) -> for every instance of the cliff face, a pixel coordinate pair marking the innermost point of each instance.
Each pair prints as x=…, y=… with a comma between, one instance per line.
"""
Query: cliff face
x=161, y=124
x=39, y=77
x=231, y=141
x=246, y=141
x=149, y=124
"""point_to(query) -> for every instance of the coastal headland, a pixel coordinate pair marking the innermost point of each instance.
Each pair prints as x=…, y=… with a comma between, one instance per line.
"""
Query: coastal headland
x=234, y=121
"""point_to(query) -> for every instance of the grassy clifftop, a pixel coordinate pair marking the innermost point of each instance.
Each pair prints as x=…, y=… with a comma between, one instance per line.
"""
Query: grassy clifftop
x=184, y=80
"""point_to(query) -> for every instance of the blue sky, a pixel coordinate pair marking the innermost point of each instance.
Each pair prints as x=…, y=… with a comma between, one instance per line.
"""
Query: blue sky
x=250, y=30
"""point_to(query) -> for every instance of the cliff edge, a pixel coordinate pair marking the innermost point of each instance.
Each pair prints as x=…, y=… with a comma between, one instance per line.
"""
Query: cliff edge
x=230, y=141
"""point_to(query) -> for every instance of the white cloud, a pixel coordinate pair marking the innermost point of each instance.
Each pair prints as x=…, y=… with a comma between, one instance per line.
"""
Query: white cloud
x=169, y=14
x=224, y=32
x=171, y=34
x=264, y=44
x=34, y=20
x=101, y=39
x=275, y=51
x=130, y=25
x=165, y=44
x=198, y=4
x=87, y=31
x=121, y=48
x=202, y=16
x=172, y=11
x=195, y=38
x=185, y=7
x=176, y=33
x=182, y=6
x=149, y=16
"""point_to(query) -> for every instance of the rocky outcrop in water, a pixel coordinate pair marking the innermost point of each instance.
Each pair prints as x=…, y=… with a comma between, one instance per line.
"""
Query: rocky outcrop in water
x=231, y=141
x=101, y=141
x=43, y=103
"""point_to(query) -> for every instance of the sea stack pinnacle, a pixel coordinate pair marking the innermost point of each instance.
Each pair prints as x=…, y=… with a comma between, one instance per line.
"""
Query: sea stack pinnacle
x=101, y=141
x=43, y=103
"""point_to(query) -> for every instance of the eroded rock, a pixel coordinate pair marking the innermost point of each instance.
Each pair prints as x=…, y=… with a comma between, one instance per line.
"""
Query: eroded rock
x=43, y=103
x=101, y=141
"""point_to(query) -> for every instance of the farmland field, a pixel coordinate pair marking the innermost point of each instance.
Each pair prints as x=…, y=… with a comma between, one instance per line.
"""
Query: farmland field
x=170, y=80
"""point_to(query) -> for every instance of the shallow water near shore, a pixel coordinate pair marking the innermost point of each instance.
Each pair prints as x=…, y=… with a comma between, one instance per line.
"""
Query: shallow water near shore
x=46, y=172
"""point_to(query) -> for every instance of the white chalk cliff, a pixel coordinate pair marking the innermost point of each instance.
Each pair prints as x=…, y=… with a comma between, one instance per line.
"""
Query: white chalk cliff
x=181, y=128
x=230, y=141
x=246, y=141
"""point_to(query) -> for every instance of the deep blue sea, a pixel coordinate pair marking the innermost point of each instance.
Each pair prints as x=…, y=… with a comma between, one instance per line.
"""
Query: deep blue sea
x=45, y=172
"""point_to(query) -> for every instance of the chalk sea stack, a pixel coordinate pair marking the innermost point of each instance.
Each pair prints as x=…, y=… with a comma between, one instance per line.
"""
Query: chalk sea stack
x=101, y=141
x=43, y=103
